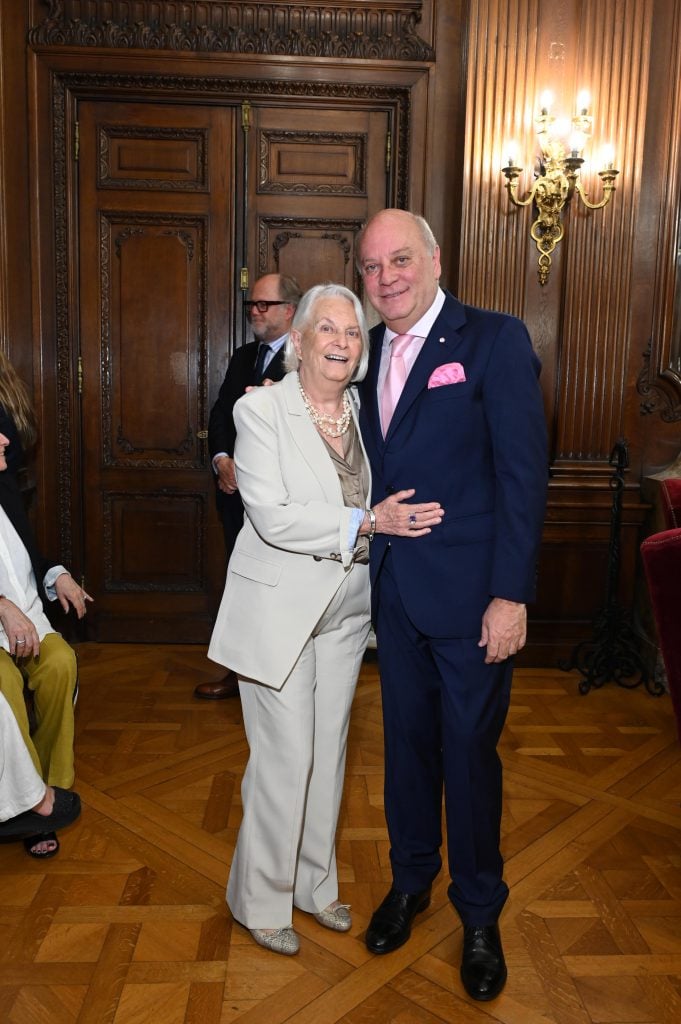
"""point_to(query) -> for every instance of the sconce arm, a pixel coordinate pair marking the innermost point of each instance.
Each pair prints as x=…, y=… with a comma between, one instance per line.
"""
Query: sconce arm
x=512, y=175
x=608, y=178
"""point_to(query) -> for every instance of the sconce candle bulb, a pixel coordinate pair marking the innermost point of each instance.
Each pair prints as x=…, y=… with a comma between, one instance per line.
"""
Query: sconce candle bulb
x=583, y=101
x=546, y=101
x=558, y=179
x=512, y=152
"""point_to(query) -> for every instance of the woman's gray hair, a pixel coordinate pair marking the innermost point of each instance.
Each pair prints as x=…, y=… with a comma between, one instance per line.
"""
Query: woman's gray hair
x=304, y=319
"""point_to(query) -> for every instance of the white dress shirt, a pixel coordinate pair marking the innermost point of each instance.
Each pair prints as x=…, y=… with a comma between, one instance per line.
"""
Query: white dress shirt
x=420, y=330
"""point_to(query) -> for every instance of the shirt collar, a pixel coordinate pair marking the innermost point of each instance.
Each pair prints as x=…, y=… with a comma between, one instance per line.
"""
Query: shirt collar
x=275, y=345
x=422, y=327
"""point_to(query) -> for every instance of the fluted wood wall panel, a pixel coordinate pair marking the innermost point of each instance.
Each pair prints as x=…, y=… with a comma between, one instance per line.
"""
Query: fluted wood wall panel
x=500, y=98
x=613, y=62
x=580, y=321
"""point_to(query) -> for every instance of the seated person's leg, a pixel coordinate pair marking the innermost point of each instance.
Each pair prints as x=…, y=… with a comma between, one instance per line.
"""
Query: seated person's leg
x=12, y=688
x=21, y=788
x=52, y=678
x=28, y=808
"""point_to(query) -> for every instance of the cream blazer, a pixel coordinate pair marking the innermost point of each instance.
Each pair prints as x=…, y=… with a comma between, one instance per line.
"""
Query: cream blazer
x=292, y=554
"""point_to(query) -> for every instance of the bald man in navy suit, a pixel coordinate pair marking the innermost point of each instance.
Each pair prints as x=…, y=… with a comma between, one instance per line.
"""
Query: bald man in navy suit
x=449, y=608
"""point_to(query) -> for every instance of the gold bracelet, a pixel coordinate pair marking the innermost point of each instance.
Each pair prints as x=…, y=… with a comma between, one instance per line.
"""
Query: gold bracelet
x=372, y=523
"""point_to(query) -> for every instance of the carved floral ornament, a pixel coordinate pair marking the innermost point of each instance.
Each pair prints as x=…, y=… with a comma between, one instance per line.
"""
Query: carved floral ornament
x=363, y=30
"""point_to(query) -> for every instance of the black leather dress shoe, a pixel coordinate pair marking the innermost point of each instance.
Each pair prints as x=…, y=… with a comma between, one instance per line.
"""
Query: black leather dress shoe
x=483, y=968
x=227, y=687
x=390, y=925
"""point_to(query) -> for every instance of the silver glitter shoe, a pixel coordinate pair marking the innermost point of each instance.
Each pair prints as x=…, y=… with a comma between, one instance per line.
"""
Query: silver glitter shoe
x=279, y=940
x=336, y=916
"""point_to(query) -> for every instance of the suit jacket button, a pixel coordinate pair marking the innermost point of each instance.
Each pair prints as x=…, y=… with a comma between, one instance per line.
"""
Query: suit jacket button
x=390, y=490
x=317, y=558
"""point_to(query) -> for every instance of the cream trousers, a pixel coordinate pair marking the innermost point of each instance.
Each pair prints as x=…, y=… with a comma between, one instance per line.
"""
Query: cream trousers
x=291, y=790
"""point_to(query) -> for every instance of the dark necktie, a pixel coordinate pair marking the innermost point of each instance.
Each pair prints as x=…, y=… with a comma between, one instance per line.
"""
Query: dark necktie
x=263, y=352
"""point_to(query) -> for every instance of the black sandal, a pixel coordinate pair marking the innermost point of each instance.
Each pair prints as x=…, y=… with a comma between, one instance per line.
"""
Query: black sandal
x=43, y=837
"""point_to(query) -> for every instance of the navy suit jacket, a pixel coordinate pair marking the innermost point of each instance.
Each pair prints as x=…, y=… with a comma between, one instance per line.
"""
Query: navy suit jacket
x=222, y=431
x=240, y=375
x=479, y=448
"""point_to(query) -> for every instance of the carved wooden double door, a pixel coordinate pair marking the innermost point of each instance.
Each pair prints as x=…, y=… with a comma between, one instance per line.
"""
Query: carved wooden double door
x=177, y=205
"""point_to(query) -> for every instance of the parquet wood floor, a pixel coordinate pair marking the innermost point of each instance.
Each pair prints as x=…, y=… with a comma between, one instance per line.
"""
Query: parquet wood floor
x=128, y=924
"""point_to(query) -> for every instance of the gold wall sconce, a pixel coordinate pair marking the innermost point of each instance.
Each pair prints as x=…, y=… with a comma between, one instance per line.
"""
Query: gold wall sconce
x=562, y=145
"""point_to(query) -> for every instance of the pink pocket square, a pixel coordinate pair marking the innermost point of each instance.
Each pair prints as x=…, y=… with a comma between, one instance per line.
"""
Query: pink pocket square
x=448, y=373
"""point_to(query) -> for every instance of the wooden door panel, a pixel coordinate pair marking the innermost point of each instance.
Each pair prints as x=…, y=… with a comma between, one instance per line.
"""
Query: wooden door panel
x=309, y=162
x=153, y=234
x=152, y=541
x=166, y=159
x=321, y=172
x=311, y=249
x=159, y=185
x=155, y=295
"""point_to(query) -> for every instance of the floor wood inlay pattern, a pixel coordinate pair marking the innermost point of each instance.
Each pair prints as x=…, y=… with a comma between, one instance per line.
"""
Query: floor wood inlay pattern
x=128, y=925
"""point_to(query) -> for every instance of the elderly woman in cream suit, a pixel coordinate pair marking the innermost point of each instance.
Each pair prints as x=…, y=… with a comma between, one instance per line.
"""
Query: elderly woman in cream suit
x=294, y=617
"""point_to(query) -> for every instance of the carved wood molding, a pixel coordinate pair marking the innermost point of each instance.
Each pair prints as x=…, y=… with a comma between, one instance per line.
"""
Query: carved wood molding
x=660, y=393
x=368, y=31
x=63, y=336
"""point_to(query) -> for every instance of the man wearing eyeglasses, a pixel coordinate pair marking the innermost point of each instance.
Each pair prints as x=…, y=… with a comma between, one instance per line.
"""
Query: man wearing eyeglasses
x=270, y=310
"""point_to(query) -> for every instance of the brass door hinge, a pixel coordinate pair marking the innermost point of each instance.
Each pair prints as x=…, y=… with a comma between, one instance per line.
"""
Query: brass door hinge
x=246, y=110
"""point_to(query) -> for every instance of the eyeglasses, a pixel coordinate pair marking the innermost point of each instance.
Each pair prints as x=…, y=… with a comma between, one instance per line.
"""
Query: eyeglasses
x=262, y=305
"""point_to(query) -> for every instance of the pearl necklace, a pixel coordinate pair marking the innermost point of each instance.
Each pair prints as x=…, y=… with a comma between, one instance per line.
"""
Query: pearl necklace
x=332, y=426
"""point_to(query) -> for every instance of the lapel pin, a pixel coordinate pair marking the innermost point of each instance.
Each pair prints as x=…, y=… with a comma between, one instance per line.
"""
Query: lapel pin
x=442, y=341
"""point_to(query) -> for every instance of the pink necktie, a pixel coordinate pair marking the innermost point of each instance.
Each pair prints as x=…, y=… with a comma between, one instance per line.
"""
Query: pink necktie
x=395, y=378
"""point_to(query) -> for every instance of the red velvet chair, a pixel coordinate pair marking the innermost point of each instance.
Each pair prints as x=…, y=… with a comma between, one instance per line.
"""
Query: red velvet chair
x=661, y=554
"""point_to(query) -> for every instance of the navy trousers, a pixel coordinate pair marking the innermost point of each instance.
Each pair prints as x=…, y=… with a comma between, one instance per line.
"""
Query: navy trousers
x=443, y=713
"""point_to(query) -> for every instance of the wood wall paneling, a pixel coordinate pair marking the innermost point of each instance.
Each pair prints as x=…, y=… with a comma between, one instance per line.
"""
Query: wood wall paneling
x=451, y=82
x=324, y=150
x=582, y=322
x=596, y=330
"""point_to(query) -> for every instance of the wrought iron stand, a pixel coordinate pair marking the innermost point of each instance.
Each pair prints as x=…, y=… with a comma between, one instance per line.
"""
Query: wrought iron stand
x=612, y=655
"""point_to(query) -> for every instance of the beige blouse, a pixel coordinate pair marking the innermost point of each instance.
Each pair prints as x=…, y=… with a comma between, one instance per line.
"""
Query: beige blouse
x=353, y=477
